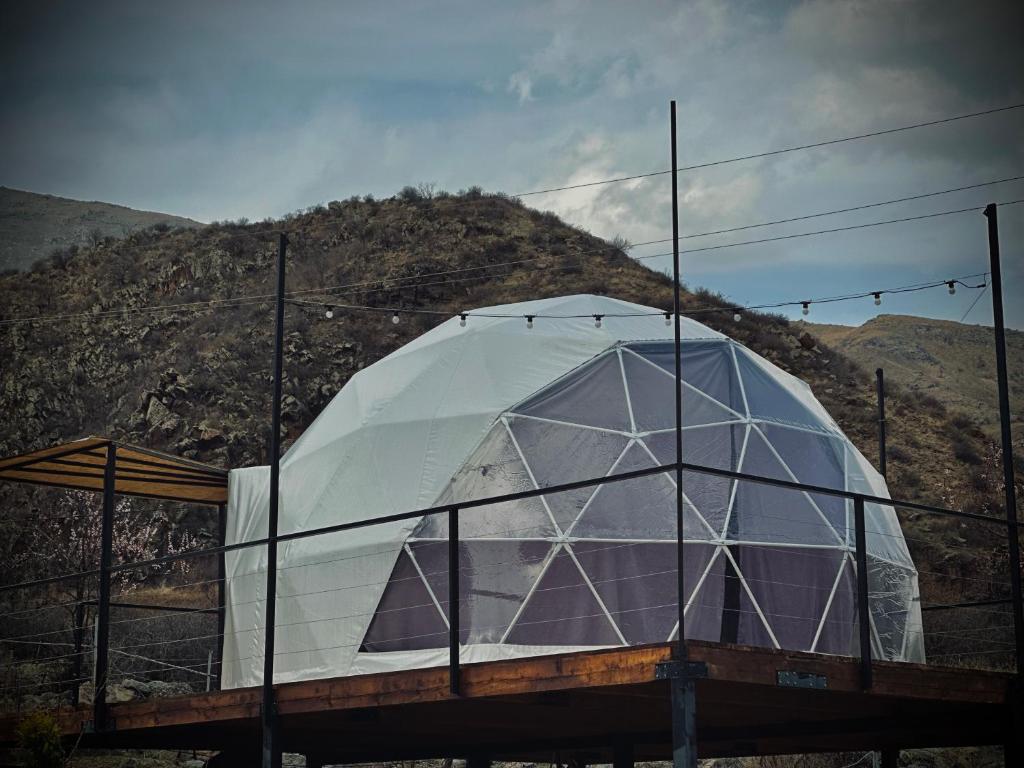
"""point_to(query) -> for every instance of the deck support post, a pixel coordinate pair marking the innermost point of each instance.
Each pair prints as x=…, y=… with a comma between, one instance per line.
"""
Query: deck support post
x=863, y=613
x=622, y=755
x=682, y=677
x=99, y=703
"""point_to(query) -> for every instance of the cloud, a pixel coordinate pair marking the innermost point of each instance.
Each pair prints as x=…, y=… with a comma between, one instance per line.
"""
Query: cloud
x=521, y=85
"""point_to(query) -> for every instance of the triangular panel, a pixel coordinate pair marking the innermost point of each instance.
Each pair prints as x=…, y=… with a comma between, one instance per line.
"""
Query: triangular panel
x=792, y=587
x=643, y=508
x=638, y=585
x=718, y=447
x=406, y=618
x=651, y=393
x=558, y=454
x=563, y=611
x=494, y=578
x=706, y=366
x=494, y=469
x=769, y=514
x=839, y=631
x=592, y=395
x=814, y=459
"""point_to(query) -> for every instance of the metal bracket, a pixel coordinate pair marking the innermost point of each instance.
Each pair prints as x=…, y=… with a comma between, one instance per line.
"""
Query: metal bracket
x=680, y=670
x=790, y=678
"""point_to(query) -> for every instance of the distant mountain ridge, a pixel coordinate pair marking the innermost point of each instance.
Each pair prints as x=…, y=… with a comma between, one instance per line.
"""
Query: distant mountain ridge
x=32, y=225
x=953, y=362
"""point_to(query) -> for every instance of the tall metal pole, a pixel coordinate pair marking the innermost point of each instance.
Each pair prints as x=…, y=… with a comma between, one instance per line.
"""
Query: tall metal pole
x=681, y=684
x=680, y=651
x=103, y=617
x=880, y=387
x=271, y=740
x=1007, y=437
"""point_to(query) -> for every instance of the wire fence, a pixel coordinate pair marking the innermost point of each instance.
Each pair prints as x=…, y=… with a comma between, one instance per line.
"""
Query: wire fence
x=537, y=571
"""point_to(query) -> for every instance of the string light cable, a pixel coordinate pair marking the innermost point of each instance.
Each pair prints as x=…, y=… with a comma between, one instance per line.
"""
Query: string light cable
x=464, y=316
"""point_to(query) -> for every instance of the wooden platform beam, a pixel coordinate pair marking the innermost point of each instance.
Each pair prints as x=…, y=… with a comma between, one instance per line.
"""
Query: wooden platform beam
x=589, y=706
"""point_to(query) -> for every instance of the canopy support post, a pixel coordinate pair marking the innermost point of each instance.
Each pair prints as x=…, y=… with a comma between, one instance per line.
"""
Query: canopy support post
x=99, y=705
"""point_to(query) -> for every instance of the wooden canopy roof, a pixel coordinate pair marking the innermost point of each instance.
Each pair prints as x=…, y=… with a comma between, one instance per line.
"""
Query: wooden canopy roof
x=138, y=471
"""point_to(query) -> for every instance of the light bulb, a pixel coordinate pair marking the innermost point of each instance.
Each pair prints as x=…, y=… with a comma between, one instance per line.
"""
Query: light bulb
x=807, y=307
x=952, y=287
x=329, y=313
x=395, y=319
x=529, y=321
x=878, y=299
x=462, y=320
x=597, y=321
x=668, y=318
x=736, y=316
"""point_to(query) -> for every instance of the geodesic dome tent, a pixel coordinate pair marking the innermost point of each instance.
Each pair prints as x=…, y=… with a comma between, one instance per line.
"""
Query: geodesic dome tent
x=496, y=406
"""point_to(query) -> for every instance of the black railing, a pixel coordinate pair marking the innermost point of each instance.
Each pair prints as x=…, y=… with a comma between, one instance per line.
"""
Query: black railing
x=859, y=500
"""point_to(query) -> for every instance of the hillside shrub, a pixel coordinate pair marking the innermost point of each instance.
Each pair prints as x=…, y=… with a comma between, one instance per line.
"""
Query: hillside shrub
x=39, y=737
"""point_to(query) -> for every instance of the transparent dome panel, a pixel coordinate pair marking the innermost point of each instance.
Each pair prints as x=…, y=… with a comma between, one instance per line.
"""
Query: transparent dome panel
x=707, y=366
x=596, y=566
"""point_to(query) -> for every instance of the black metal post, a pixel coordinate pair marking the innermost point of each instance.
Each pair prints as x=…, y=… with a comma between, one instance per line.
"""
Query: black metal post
x=890, y=758
x=880, y=387
x=1007, y=436
x=79, y=641
x=453, y=600
x=863, y=614
x=222, y=534
x=271, y=740
x=103, y=618
x=684, y=724
x=622, y=755
x=680, y=650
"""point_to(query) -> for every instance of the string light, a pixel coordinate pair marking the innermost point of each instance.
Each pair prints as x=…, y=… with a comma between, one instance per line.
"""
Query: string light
x=395, y=319
x=736, y=315
x=806, y=307
x=668, y=318
x=462, y=320
x=597, y=320
x=329, y=313
x=529, y=321
x=952, y=286
x=878, y=299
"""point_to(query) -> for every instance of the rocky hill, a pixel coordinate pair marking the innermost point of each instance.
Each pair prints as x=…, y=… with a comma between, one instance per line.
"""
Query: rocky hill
x=194, y=379
x=33, y=227
x=952, y=362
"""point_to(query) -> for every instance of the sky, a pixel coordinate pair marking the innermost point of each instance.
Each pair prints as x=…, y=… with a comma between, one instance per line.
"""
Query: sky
x=225, y=110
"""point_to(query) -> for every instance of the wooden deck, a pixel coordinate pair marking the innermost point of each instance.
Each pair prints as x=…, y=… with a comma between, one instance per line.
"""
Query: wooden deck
x=581, y=704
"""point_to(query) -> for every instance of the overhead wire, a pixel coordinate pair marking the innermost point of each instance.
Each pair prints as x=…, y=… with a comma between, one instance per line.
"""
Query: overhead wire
x=771, y=153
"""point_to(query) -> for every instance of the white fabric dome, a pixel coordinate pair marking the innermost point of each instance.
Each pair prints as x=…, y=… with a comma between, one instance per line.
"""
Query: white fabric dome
x=495, y=407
